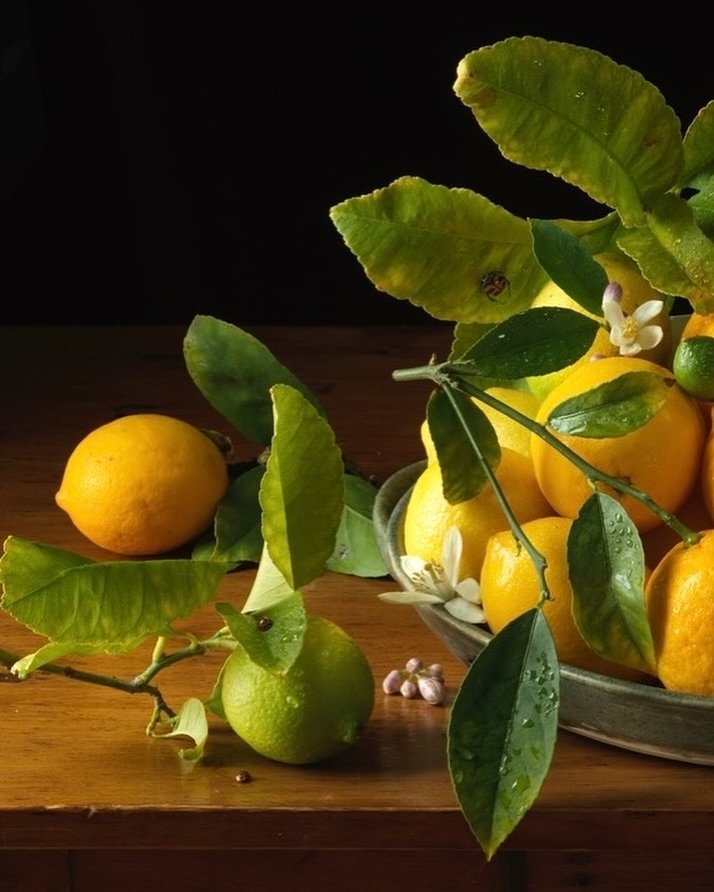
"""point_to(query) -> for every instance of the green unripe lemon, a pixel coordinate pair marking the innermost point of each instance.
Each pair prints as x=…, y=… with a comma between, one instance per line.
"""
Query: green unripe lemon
x=312, y=712
x=693, y=366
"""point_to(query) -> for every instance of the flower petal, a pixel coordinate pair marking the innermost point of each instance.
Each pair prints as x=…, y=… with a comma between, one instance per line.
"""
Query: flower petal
x=647, y=311
x=451, y=555
x=410, y=598
x=469, y=590
x=465, y=610
x=649, y=336
x=614, y=316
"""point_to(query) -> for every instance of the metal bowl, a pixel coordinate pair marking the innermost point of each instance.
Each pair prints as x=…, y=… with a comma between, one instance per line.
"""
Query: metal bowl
x=640, y=717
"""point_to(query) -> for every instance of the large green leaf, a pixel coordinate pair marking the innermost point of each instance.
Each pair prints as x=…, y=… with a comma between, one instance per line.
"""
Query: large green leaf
x=113, y=605
x=607, y=572
x=302, y=490
x=460, y=432
x=503, y=728
x=357, y=550
x=238, y=536
x=533, y=342
x=569, y=264
x=673, y=252
x=612, y=409
x=577, y=114
x=235, y=372
x=699, y=149
x=450, y=251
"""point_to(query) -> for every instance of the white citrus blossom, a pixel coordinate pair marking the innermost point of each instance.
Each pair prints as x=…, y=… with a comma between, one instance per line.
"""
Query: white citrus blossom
x=434, y=584
x=631, y=333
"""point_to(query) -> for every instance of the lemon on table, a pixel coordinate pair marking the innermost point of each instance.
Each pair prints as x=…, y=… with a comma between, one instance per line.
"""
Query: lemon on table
x=681, y=615
x=428, y=515
x=662, y=457
x=510, y=586
x=312, y=712
x=635, y=291
x=143, y=484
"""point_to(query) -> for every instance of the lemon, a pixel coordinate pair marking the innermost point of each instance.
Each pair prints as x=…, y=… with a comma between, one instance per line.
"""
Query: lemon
x=681, y=615
x=661, y=458
x=510, y=586
x=635, y=291
x=143, y=484
x=428, y=515
x=312, y=712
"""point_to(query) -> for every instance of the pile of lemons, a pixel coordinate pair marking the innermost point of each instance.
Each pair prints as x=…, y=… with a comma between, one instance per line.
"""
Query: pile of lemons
x=671, y=458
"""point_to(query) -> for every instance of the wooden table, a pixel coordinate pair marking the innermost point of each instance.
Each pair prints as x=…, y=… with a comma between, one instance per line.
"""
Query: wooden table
x=88, y=801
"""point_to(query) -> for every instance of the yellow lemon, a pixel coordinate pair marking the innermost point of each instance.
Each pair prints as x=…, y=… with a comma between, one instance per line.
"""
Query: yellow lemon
x=681, y=615
x=312, y=712
x=635, y=291
x=143, y=484
x=662, y=457
x=510, y=586
x=428, y=515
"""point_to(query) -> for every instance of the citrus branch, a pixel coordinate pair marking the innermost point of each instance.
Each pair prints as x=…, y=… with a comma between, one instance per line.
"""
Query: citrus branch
x=140, y=684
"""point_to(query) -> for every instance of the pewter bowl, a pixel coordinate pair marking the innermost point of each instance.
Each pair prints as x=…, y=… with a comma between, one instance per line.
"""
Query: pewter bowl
x=640, y=717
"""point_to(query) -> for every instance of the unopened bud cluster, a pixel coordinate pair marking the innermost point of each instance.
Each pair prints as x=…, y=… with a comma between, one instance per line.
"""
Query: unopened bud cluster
x=417, y=680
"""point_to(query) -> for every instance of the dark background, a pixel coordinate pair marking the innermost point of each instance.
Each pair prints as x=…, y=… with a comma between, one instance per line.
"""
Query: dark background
x=159, y=161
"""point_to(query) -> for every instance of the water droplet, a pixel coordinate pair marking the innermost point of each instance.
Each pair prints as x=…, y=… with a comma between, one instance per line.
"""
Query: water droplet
x=527, y=723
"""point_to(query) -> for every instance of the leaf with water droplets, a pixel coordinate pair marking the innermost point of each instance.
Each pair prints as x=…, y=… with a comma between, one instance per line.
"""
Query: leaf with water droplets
x=607, y=572
x=612, y=409
x=271, y=637
x=503, y=728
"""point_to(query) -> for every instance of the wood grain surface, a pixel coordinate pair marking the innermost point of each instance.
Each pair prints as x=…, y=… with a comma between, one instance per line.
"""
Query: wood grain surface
x=86, y=795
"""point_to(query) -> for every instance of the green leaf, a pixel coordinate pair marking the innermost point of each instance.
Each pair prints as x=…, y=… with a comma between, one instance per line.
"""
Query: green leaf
x=238, y=536
x=269, y=586
x=461, y=433
x=612, y=409
x=441, y=249
x=191, y=722
x=113, y=605
x=596, y=236
x=503, y=728
x=357, y=551
x=673, y=253
x=48, y=653
x=534, y=342
x=558, y=107
x=569, y=265
x=699, y=149
x=235, y=372
x=302, y=491
x=702, y=205
x=272, y=638
x=607, y=573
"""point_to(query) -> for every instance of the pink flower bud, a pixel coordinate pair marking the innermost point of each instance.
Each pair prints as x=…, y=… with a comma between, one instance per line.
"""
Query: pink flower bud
x=432, y=690
x=392, y=682
x=413, y=665
x=409, y=690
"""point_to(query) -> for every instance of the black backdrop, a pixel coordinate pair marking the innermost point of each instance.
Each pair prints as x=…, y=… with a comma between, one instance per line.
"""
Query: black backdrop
x=160, y=161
